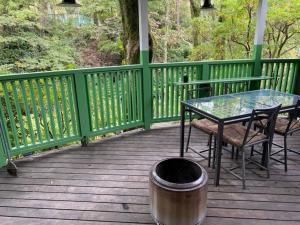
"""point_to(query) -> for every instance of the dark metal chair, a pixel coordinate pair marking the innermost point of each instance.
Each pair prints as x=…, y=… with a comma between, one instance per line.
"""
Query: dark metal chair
x=228, y=88
x=242, y=137
x=203, y=125
x=284, y=127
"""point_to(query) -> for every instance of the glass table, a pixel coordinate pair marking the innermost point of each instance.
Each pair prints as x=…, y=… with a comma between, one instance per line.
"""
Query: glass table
x=233, y=108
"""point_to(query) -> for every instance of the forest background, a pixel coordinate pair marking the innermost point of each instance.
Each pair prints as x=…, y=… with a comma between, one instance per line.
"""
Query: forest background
x=38, y=35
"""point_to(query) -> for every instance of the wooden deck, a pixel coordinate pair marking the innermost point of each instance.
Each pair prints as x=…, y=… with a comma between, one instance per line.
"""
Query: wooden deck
x=107, y=183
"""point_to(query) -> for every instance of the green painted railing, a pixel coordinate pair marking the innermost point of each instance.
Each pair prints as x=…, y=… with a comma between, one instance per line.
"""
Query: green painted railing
x=115, y=99
x=48, y=109
x=166, y=95
x=284, y=73
x=39, y=109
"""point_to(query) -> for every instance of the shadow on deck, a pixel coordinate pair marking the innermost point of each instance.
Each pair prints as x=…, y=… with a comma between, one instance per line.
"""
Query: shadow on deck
x=107, y=183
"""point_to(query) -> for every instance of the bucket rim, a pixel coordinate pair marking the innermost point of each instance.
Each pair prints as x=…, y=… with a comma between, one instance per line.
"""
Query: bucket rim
x=201, y=181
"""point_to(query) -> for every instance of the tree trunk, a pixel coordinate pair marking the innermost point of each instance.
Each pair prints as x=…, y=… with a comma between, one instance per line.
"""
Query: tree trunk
x=130, y=36
x=195, y=12
x=95, y=18
x=166, y=38
x=178, y=13
x=195, y=6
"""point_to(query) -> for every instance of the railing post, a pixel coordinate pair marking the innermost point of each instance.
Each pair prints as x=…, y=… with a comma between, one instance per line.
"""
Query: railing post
x=205, y=71
x=82, y=106
x=4, y=156
x=5, y=148
x=144, y=60
x=297, y=79
x=258, y=40
x=147, y=90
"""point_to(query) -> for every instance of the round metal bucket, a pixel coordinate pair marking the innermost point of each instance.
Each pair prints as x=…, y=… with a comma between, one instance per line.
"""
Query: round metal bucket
x=178, y=192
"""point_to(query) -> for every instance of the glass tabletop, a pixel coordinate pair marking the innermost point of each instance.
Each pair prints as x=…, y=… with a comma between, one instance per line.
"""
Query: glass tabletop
x=241, y=104
x=268, y=97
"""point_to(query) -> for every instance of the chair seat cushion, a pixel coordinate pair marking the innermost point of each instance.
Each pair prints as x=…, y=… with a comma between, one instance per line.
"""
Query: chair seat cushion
x=234, y=134
x=204, y=125
x=281, y=125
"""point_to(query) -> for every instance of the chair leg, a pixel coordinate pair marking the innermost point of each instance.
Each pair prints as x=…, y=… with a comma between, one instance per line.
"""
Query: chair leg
x=243, y=169
x=232, y=152
x=214, y=153
x=268, y=159
x=237, y=154
x=209, y=149
x=285, y=153
x=189, y=137
x=252, y=148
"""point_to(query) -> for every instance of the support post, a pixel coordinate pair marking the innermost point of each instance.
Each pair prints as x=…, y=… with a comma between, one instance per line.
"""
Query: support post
x=144, y=61
x=297, y=82
x=5, y=149
x=258, y=40
x=82, y=106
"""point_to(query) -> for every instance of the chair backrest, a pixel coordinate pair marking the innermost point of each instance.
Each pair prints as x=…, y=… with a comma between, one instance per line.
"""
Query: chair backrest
x=267, y=119
x=200, y=90
x=293, y=115
x=231, y=87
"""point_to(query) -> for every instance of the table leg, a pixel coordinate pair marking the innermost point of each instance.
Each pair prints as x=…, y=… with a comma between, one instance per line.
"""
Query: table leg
x=264, y=159
x=219, y=152
x=182, y=130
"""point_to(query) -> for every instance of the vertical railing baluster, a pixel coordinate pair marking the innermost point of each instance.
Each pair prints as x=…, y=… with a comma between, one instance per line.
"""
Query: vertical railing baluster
x=56, y=105
x=275, y=80
x=133, y=96
x=11, y=115
x=123, y=98
x=129, y=103
x=112, y=98
x=65, y=115
x=42, y=109
x=72, y=109
x=101, y=102
x=35, y=112
x=157, y=93
x=49, y=105
x=279, y=76
x=93, y=82
x=19, y=112
x=286, y=76
x=177, y=105
x=27, y=111
x=167, y=91
x=107, y=108
x=264, y=68
x=117, y=80
x=139, y=95
x=172, y=91
x=296, y=76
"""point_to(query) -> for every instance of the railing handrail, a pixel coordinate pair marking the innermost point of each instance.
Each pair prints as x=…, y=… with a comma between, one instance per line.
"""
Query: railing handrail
x=209, y=62
x=12, y=76
x=26, y=75
x=280, y=60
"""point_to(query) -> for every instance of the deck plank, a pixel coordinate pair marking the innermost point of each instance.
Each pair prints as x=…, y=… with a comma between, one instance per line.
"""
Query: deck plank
x=107, y=183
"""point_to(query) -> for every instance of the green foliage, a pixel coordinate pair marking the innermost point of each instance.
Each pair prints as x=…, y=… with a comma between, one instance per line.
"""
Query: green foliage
x=111, y=47
x=30, y=40
x=28, y=45
x=283, y=29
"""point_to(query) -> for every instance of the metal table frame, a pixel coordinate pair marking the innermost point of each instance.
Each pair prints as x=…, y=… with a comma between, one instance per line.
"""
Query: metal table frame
x=185, y=107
